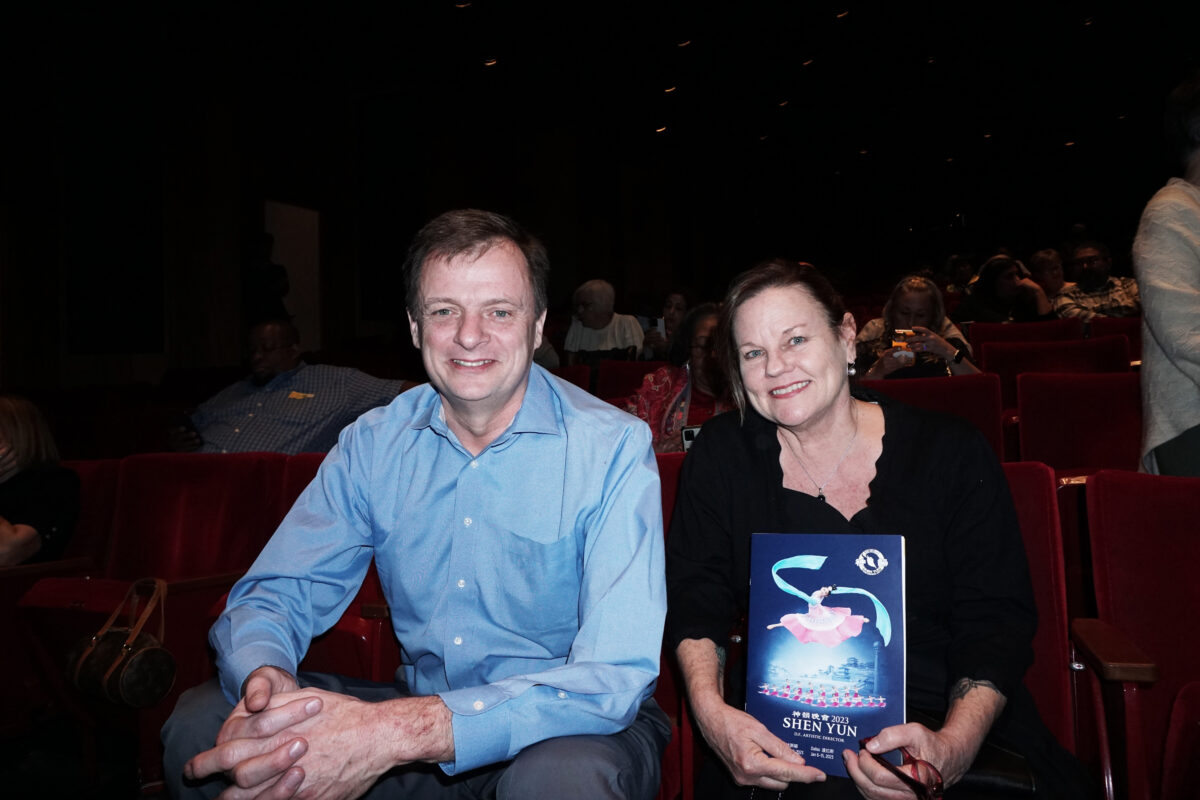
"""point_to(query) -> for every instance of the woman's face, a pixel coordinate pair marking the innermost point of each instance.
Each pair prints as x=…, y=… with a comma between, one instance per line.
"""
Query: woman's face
x=912, y=309
x=1007, y=283
x=793, y=364
x=674, y=310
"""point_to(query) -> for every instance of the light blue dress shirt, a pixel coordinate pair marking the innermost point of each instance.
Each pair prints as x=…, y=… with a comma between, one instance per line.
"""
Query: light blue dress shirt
x=525, y=584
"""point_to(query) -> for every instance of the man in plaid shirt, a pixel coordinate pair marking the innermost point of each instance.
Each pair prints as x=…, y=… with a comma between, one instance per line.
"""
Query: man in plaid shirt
x=1096, y=294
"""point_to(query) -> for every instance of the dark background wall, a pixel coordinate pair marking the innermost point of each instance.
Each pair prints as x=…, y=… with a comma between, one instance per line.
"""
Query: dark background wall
x=140, y=147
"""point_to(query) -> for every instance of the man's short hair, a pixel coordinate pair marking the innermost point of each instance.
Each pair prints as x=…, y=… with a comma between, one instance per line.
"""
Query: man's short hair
x=1092, y=244
x=601, y=292
x=291, y=334
x=472, y=232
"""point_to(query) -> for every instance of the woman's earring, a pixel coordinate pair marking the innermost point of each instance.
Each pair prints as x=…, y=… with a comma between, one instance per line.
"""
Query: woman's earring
x=851, y=370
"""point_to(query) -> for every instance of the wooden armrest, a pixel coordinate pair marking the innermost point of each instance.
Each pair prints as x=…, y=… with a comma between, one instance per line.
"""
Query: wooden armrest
x=375, y=611
x=1111, y=653
x=1072, y=480
x=80, y=565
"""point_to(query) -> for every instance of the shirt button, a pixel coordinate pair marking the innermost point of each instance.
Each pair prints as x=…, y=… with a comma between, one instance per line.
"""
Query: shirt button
x=237, y=430
x=251, y=414
x=467, y=521
x=260, y=405
x=461, y=583
x=562, y=695
x=474, y=465
x=477, y=705
x=458, y=640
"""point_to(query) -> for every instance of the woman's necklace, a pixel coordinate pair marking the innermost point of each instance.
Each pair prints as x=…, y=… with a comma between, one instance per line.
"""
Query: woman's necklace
x=821, y=486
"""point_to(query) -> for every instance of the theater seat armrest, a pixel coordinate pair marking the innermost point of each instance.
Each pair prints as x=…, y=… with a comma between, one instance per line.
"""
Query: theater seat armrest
x=1108, y=651
x=375, y=611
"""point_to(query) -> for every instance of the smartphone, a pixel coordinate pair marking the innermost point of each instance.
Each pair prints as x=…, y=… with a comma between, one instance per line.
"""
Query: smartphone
x=900, y=337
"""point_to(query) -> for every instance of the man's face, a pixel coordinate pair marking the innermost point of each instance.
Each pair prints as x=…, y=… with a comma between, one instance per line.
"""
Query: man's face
x=477, y=329
x=270, y=352
x=588, y=311
x=1093, y=265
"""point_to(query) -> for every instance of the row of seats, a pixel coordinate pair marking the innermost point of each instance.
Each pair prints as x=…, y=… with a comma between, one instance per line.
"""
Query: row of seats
x=197, y=521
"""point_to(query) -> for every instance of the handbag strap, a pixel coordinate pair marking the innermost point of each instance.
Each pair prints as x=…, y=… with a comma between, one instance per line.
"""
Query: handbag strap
x=158, y=594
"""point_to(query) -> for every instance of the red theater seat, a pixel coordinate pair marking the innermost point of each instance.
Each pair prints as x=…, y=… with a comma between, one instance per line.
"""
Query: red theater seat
x=622, y=378
x=1009, y=359
x=1143, y=644
x=1129, y=327
x=1049, y=680
x=1080, y=423
x=975, y=398
x=1055, y=330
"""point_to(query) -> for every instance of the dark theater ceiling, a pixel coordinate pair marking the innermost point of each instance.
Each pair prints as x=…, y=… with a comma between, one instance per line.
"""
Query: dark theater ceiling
x=855, y=133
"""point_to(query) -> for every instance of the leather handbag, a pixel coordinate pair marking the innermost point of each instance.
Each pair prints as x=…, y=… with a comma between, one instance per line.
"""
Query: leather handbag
x=125, y=664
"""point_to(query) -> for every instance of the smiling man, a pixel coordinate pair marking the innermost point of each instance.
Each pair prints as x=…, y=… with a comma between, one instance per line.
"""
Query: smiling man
x=529, y=611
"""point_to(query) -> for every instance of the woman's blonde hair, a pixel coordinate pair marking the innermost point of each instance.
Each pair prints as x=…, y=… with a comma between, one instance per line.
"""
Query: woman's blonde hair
x=916, y=284
x=24, y=430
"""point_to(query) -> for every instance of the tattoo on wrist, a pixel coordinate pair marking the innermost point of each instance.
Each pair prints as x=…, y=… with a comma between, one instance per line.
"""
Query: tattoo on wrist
x=965, y=685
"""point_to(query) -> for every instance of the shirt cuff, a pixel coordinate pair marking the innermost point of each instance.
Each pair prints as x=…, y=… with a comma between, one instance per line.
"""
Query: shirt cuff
x=237, y=668
x=482, y=727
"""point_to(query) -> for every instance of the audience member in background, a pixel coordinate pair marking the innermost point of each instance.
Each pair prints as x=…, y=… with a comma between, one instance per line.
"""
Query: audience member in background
x=657, y=344
x=1096, y=293
x=687, y=392
x=597, y=332
x=1166, y=259
x=285, y=405
x=935, y=348
x=1004, y=292
x=958, y=273
x=39, y=500
x=1046, y=269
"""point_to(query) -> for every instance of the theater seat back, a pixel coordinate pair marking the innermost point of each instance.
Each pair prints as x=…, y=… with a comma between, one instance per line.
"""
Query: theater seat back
x=181, y=516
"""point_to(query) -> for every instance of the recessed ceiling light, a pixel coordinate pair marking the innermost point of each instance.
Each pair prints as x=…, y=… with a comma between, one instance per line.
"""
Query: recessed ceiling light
x=684, y=43
x=491, y=62
x=669, y=89
x=663, y=129
x=783, y=103
x=843, y=15
x=1070, y=144
x=806, y=63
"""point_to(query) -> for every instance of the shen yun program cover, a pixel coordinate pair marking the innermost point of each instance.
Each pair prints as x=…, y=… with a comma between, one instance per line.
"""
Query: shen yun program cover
x=825, y=658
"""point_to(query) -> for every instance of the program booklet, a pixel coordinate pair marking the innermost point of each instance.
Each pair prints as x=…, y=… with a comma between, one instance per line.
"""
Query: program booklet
x=825, y=658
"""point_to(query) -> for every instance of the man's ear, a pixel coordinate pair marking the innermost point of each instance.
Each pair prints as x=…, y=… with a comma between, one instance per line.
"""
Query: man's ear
x=414, y=328
x=537, y=330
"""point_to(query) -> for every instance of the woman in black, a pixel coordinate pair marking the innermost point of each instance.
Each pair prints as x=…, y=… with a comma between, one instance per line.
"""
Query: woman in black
x=39, y=500
x=803, y=455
